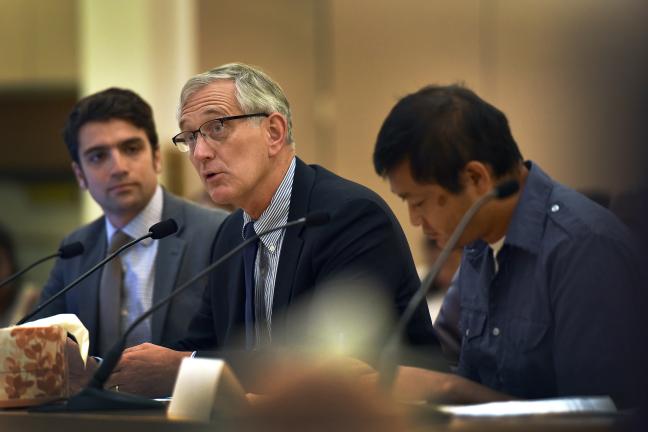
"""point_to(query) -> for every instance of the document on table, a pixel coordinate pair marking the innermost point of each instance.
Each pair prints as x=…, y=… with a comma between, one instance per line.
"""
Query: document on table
x=572, y=405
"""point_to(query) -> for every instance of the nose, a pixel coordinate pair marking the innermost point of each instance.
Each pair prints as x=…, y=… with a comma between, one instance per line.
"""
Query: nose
x=119, y=163
x=202, y=150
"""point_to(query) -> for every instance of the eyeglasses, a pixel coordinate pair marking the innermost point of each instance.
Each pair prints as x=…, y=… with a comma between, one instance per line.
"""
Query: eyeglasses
x=213, y=130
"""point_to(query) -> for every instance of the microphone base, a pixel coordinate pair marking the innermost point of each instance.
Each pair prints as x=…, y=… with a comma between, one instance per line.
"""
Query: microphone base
x=94, y=399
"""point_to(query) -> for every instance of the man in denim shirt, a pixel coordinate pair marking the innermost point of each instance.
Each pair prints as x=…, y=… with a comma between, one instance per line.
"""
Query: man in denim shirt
x=548, y=286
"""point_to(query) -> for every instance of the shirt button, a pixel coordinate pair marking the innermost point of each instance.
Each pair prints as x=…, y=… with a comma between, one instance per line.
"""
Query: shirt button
x=555, y=208
x=467, y=332
x=496, y=331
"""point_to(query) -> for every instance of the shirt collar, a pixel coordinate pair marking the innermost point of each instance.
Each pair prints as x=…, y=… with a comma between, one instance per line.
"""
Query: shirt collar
x=141, y=223
x=497, y=246
x=528, y=222
x=277, y=212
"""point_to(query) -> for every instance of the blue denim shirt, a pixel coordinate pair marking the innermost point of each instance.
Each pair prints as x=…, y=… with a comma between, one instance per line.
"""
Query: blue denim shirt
x=558, y=317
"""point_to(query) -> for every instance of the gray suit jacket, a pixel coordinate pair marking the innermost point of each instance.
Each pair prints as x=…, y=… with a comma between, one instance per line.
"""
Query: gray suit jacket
x=179, y=258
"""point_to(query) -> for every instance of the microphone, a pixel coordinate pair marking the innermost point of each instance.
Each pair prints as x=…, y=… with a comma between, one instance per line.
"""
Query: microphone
x=156, y=232
x=67, y=251
x=161, y=229
x=94, y=397
x=388, y=359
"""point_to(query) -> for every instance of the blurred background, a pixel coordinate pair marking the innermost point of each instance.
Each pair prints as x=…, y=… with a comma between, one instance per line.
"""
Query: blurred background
x=570, y=76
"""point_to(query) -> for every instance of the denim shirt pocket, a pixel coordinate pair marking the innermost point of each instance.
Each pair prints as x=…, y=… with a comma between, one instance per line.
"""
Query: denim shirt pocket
x=472, y=324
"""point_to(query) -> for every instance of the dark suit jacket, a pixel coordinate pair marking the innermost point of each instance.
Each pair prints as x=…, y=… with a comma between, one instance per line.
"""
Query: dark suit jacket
x=179, y=257
x=362, y=238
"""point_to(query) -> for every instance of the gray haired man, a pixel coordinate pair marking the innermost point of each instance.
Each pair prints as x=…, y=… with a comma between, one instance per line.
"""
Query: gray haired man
x=236, y=128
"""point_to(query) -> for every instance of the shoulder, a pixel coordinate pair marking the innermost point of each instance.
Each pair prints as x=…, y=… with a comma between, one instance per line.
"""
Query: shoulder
x=584, y=240
x=356, y=213
x=581, y=220
x=193, y=214
x=336, y=194
x=88, y=231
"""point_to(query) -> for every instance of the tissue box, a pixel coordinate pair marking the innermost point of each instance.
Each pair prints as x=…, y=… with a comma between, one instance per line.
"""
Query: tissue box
x=33, y=366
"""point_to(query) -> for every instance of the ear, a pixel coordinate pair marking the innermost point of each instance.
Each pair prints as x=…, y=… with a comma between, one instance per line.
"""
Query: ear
x=157, y=160
x=80, y=177
x=276, y=130
x=78, y=173
x=479, y=176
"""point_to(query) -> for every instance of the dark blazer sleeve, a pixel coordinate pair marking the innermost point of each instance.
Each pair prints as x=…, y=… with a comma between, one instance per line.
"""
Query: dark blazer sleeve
x=363, y=240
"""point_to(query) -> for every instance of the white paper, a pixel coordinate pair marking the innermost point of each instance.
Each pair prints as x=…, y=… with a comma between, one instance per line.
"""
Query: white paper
x=601, y=405
x=72, y=325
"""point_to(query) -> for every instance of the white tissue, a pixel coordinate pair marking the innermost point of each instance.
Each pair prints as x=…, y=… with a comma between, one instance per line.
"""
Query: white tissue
x=72, y=325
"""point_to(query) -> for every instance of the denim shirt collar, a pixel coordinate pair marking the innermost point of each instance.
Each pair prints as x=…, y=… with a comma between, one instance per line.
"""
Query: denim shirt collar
x=528, y=223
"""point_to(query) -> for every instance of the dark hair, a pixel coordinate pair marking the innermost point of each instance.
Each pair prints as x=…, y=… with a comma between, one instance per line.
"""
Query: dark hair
x=112, y=103
x=440, y=129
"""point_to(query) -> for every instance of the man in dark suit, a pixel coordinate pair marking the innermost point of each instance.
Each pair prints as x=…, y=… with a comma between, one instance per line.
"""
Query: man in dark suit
x=112, y=141
x=237, y=129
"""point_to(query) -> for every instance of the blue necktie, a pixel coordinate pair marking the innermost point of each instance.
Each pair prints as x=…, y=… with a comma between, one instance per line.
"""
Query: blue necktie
x=249, y=256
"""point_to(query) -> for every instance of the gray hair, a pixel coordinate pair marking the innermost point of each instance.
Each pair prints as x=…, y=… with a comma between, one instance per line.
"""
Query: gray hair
x=255, y=90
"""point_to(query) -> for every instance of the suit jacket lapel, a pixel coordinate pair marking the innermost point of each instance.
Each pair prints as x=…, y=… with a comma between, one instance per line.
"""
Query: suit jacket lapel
x=292, y=242
x=88, y=290
x=230, y=281
x=167, y=264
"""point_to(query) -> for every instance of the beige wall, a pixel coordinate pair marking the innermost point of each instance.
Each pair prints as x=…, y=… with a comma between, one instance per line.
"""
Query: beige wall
x=38, y=42
x=277, y=35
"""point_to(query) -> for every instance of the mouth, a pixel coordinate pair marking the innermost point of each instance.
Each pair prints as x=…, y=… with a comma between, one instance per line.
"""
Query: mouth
x=209, y=176
x=121, y=187
x=431, y=235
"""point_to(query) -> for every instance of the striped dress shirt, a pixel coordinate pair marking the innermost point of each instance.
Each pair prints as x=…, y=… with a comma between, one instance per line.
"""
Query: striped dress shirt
x=269, y=251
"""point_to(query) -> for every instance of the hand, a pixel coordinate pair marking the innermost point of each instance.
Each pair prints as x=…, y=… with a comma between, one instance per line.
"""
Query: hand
x=148, y=370
x=413, y=384
x=328, y=393
x=78, y=374
x=294, y=367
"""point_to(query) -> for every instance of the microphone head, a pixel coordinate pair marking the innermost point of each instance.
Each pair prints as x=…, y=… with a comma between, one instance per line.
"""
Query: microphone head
x=506, y=189
x=163, y=229
x=71, y=250
x=317, y=218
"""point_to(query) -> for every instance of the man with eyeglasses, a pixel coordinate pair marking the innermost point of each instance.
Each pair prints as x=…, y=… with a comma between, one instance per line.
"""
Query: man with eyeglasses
x=115, y=153
x=236, y=127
